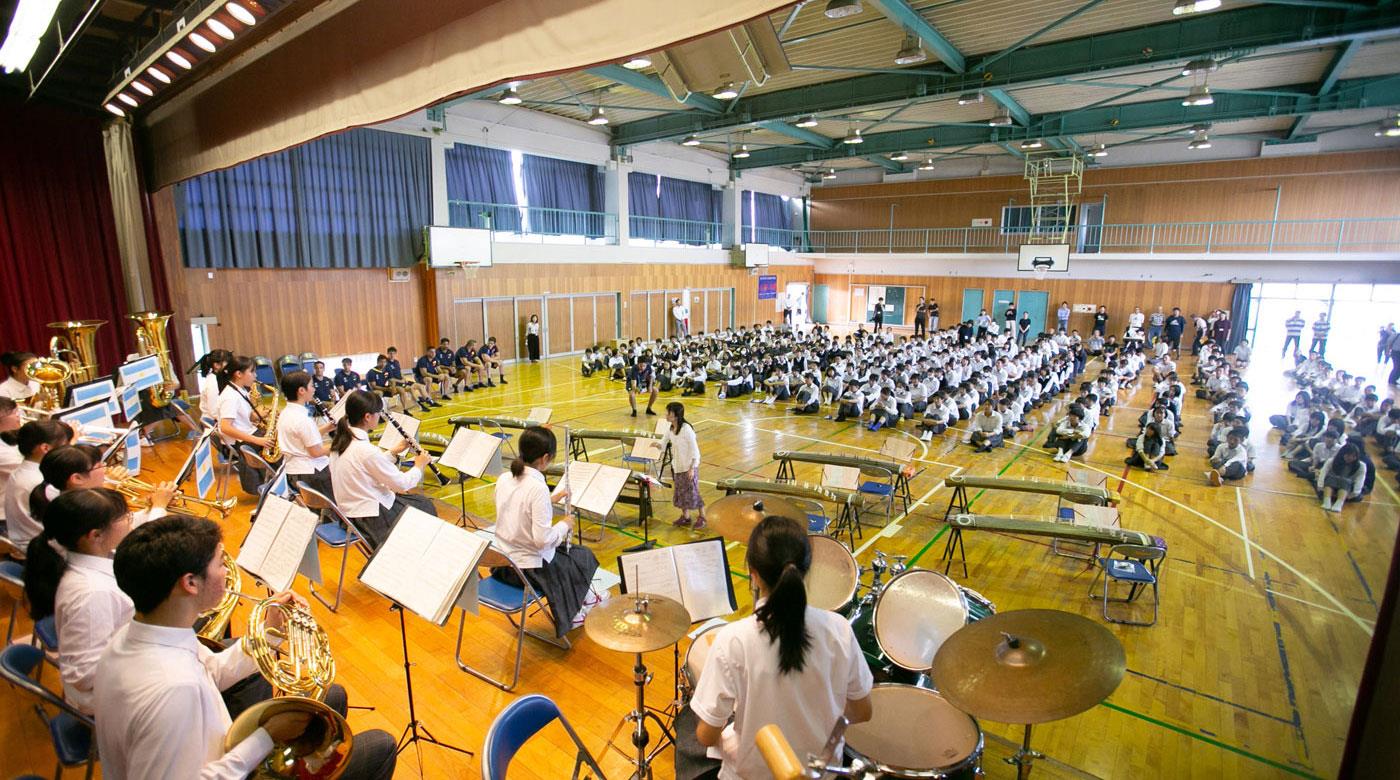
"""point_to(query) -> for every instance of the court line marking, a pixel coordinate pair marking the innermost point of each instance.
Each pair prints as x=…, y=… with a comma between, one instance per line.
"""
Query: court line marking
x=1244, y=532
x=822, y=441
x=894, y=525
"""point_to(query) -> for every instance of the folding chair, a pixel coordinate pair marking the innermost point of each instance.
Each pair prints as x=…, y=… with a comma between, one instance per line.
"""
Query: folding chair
x=287, y=364
x=261, y=466
x=510, y=601
x=11, y=584
x=69, y=731
x=885, y=491
x=263, y=371
x=1137, y=565
x=516, y=724
x=817, y=519
x=338, y=532
x=308, y=361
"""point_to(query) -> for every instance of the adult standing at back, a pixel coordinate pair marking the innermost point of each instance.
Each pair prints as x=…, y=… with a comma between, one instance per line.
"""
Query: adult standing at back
x=1293, y=327
x=1175, y=326
x=1320, y=330
x=681, y=314
x=1009, y=318
x=1394, y=349
x=1221, y=332
x=1156, y=324
x=921, y=319
x=1202, y=332
x=879, y=314
x=1101, y=320
x=1062, y=317
x=933, y=315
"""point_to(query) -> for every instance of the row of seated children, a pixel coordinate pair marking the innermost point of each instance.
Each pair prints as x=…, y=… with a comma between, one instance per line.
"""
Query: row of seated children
x=1320, y=448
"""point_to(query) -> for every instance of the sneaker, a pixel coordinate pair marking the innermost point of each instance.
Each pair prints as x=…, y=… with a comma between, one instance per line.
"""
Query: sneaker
x=489, y=383
x=721, y=395
x=755, y=400
x=634, y=412
x=650, y=412
x=503, y=381
x=826, y=417
x=770, y=400
x=1213, y=477
x=700, y=524
x=681, y=522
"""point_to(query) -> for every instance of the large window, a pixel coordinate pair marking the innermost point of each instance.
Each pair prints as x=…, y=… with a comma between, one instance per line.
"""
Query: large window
x=1357, y=313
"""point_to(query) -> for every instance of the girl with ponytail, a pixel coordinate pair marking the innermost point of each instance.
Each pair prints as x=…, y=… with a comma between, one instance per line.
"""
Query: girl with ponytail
x=369, y=486
x=235, y=416
x=789, y=663
x=79, y=467
x=210, y=367
x=68, y=575
x=527, y=534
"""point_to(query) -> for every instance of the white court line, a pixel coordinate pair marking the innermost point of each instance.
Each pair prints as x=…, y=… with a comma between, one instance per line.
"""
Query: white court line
x=822, y=441
x=1244, y=532
x=894, y=525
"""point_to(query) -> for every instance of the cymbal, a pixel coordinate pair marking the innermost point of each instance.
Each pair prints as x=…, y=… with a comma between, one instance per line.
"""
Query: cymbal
x=734, y=517
x=1055, y=664
x=624, y=625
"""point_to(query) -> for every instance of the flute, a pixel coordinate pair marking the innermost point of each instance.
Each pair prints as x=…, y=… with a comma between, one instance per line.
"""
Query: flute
x=417, y=449
x=564, y=480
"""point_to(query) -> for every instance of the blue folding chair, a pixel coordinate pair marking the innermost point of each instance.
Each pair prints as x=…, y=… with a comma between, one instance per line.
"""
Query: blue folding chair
x=517, y=723
x=263, y=371
x=308, y=361
x=1137, y=565
x=70, y=731
x=12, y=585
x=510, y=601
x=338, y=532
x=287, y=364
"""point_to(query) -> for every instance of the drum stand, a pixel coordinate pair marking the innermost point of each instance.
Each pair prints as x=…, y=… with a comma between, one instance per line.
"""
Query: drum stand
x=1024, y=757
x=640, y=736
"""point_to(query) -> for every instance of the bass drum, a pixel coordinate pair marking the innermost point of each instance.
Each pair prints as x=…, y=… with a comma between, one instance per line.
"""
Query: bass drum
x=833, y=576
x=695, y=656
x=916, y=733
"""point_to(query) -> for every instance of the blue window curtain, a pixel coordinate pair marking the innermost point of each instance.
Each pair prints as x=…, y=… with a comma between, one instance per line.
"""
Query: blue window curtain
x=477, y=176
x=695, y=202
x=643, y=202
x=558, y=191
x=357, y=199
x=1239, y=314
x=766, y=219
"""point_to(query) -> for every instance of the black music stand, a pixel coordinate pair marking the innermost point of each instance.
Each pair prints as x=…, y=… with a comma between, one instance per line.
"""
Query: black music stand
x=416, y=731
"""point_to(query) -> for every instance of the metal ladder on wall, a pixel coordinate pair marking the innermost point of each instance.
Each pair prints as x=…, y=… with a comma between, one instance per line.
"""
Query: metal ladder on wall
x=1056, y=178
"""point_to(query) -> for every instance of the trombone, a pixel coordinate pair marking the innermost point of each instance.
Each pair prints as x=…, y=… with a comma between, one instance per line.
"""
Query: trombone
x=140, y=491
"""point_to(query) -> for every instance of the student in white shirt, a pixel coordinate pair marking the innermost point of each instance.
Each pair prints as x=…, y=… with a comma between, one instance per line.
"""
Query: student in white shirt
x=532, y=338
x=236, y=412
x=685, y=465
x=79, y=467
x=1342, y=477
x=369, y=487
x=1071, y=435
x=17, y=386
x=9, y=443
x=808, y=398
x=210, y=366
x=301, y=439
x=35, y=439
x=987, y=427
x=527, y=534
x=156, y=690
x=788, y=664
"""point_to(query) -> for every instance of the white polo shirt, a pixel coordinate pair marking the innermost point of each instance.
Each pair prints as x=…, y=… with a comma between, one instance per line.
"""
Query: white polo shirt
x=22, y=526
x=366, y=478
x=14, y=389
x=89, y=608
x=297, y=432
x=525, y=528
x=234, y=405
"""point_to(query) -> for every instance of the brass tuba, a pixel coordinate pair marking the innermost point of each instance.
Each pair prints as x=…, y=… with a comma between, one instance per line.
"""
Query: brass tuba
x=152, y=340
x=51, y=374
x=78, y=341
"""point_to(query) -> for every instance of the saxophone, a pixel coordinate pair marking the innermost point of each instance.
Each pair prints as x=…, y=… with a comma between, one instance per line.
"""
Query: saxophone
x=272, y=453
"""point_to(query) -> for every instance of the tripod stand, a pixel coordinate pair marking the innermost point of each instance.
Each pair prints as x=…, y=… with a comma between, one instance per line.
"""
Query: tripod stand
x=415, y=732
x=640, y=736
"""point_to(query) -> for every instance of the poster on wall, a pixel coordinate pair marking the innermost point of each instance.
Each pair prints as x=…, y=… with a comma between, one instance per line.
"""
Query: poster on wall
x=767, y=288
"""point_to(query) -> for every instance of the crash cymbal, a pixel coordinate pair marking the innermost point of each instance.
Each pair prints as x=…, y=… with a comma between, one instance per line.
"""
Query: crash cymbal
x=637, y=623
x=1029, y=666
x=734, y=517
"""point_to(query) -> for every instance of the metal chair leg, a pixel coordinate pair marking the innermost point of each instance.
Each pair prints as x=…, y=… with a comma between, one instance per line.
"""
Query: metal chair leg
x=340, y=582
x=519, y=652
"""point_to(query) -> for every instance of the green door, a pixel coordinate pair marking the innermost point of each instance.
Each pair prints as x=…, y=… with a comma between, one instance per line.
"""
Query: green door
x=972, y=304
x=819, y=295
x=1001, y=299
x=1035, y=303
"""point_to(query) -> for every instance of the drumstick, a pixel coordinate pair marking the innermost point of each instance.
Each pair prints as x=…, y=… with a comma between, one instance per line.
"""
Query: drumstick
x=778, y=754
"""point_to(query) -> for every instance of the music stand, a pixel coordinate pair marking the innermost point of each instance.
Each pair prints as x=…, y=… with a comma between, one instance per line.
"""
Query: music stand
x=416, y=731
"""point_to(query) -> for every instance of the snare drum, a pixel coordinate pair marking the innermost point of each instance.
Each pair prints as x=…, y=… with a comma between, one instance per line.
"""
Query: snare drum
x=917, y=612
x=881, y=666
x=979, y=607
x=833, y=576
x=916, y=733
x=695, y=657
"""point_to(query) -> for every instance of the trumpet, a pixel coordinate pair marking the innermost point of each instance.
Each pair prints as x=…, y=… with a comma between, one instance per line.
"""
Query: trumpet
x=139, y=490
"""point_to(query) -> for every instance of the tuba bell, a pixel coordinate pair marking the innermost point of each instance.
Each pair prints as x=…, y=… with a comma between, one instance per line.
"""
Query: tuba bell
x=151, y=339
x=77, y=345
x=51, y=374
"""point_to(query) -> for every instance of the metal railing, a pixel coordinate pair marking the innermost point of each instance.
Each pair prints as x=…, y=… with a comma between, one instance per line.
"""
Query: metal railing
x=682, y=231
x=533, y=220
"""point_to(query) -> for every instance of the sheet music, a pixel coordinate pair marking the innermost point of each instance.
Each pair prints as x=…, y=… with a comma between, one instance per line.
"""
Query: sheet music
x=424, y=564
x=844, y=477
x=390, y=438
x=704, y=579
x=540, y=415
x=274, y=548
x=470, y=451
x=601, y=486
x=653, y=571
x=650, y=449
x=263, y=534
x=662, y=426
x=338, y=411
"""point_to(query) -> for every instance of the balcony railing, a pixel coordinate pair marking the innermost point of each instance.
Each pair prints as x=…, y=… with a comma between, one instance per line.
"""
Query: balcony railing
x=533, y=220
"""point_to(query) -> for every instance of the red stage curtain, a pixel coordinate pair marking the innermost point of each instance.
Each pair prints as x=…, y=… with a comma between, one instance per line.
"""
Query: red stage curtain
x=58, y=244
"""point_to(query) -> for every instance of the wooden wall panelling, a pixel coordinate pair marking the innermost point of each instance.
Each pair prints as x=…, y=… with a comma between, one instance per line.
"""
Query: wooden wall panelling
x=636, y=322
x=584, y=316
x=606, y=307
x=468, y=322
x=500, y=322
x=659, y=306
x=557, y=325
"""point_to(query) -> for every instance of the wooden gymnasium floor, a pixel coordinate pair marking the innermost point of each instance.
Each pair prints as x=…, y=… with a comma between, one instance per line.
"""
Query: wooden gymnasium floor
x=1268, y=602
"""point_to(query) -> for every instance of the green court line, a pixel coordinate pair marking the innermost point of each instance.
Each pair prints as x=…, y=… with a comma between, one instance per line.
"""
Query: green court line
x=1210, y=741
x=929, y=544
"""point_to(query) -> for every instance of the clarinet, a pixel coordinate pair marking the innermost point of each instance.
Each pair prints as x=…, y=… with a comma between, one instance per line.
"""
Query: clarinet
x=568, y=499
x=416, y=449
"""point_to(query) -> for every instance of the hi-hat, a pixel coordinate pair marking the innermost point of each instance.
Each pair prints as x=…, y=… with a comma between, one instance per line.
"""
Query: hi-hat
x=1029, y=666
x=637, y=623
x=734, y=517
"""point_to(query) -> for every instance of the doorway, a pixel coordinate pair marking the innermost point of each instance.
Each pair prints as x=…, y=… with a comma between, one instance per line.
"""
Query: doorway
x=797, y=302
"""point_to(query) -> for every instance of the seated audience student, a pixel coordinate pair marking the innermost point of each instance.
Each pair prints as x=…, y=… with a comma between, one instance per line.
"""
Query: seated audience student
x=850, y=404
x=808, y=397
x=491, y=357
x=322, y=387
x=414, y=389
x=1166, y=426
x=616, y=364
x=1243, y=352
x=1349, y=395
x=347, y=379
x=34, y=440
x=476, y=363
x=695, y=380
x=738, y=381
x=9, y=447
x=1229, y=459
x=1388, y=429
x=1094, y=344
x=1305, y=461
x=937, y=417
x=1366, y=414
x=428, y=374
x=377, y=382
x=641, y=378
x=1149, y=449
x=1342, y=477
x=987, y=426
x=305, y=458
x=466, y=367
x=1070, y=436
x=789, y=664
x=1294, y=417
x=586, y=362
x=1391, y=457
x=1227, y=422
x=527, y=534
x=369, y=487
x=156, y=689
x=775, y=387
x=883, y=412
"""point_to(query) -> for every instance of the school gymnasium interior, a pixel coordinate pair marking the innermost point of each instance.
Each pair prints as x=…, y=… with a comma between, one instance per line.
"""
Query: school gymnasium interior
x=601, y=184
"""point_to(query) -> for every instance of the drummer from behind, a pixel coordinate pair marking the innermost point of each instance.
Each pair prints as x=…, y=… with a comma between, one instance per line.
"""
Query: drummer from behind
x=789, y=663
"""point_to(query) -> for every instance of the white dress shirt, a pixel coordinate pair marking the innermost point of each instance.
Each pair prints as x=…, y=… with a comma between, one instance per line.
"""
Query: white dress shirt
x=297, y=433
x=235, y=406
x=525, y=528
x=9, y=461
x=209, y=397
x=22, y=526
x=158, y=709
x=366, y=478
x=685, y=450
x=17, y=390
x=89, y=608
x=741, y=678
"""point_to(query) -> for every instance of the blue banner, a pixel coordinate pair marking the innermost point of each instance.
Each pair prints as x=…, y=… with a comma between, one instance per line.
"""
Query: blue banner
x=133, y=452
x=767, y=288
x=131, y=402
x=203, y=467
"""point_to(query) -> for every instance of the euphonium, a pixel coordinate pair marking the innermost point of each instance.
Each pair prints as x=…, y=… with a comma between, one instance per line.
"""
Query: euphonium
x=51, y=374
x=79, y=341
x=216, y=619
x=299, y=682
x=135, y=488
x=151, y=340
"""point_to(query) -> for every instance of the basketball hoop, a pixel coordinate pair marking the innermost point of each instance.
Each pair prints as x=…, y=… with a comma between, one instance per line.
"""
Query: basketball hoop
x=1041, y=266
x=1040, y=271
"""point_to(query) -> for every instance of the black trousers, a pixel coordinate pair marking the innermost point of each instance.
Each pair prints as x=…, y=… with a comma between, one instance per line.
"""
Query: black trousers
x=532, y=345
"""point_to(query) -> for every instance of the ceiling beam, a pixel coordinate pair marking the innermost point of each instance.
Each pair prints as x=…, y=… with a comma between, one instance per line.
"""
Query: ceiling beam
x=884, y=162
x=1029, y=39
x=653, y=85
x=1348, y=95
x=800, y=133
x=1004, y=99
x=1251, y=27
x=904, y=15
x=1334, y=71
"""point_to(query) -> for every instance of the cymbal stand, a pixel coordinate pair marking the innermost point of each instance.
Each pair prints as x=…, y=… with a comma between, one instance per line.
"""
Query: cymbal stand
x=1024, y=757
x=640, y=735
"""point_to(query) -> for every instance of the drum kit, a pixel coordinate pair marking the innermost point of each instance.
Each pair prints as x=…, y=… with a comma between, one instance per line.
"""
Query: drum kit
x=734, y=517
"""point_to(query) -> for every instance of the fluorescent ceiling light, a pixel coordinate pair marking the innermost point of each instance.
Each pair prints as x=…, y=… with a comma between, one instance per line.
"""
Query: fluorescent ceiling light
x=1034, y=143
x=140, y=86
x=742, y=153
x=829, y=173
x=158, y=74
x=1194, y=6
x=127, y=99
x=178, y=57
x=1098, y=150
x=853, y=138
x=510, y=98
x=638, y=62
x=807, y=121
x=911, y=52
x=927, y=165
x=220, y=29
x=899, y=156
x=1002, y=119
x=1198, y=128
x=1206, y=65
x=726, y=91
x=690, y=140
x=1389, y=128
x=202, y=42
x=115, y=109
x=597, y=117
x=29, y=23
x=968, y=98
x=240, y=13
x=1198, y=96
x=839, y=9
x=1201, y=141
